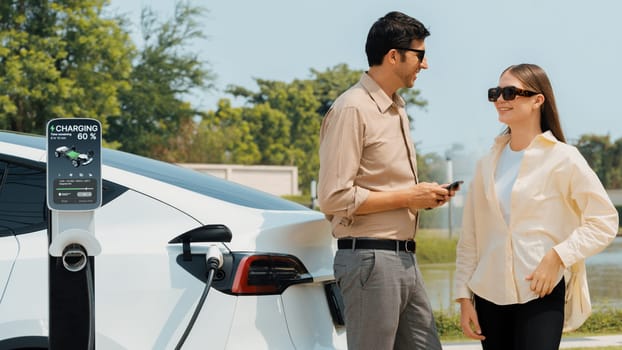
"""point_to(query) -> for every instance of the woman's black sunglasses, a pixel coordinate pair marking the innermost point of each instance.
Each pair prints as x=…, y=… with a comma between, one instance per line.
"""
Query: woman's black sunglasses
x=509, y=93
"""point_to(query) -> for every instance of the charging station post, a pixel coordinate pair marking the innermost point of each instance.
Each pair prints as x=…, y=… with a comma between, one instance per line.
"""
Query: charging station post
x=74, y=191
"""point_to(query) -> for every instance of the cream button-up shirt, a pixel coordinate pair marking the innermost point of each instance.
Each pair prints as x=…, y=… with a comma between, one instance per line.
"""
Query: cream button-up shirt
x=557, y=202
x=365, y=145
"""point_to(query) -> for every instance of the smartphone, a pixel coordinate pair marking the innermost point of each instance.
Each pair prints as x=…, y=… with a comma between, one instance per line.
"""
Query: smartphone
x=451, y=187
x=454, y=185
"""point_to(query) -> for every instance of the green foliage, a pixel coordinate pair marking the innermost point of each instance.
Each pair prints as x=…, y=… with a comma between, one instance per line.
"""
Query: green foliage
x=278, y=125
x=282, y=120
x=225, y=137
x=436, y=250
x=60, y=59
x=434, y=246
x=604, y=157
x=64, y=58
x=331, y=83
x=155, y=121
x=606, y=320
x=448, y=325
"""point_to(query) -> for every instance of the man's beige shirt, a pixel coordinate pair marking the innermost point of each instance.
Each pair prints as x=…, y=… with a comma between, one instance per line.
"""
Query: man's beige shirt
x=365, y=145
x=557, y=202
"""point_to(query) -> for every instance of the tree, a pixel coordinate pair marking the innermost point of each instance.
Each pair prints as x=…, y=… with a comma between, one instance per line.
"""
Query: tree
x=225, y=137
x=271, y=135
x=60, y=58
x=283, y=119
x=603, y=157
x=328, y=85
x=154, y=117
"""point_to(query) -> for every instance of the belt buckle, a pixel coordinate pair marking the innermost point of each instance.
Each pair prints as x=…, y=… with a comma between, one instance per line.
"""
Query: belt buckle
x=406, y=247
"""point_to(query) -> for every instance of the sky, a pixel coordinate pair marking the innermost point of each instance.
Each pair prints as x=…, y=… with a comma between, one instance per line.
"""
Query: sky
x=578, y=44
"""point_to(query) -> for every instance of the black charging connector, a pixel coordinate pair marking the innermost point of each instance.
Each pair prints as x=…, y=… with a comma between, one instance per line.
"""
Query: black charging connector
x=213, y=260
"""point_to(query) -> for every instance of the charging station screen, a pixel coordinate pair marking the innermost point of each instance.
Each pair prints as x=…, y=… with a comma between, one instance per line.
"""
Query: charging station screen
x=74, y=164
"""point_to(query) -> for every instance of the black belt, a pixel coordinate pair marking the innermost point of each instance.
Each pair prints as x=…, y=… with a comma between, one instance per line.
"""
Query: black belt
x=371, y=243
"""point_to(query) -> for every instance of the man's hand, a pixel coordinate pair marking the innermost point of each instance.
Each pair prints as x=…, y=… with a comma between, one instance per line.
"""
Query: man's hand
x=545, y=275
x=427, y=195
x=468, y=320
x=419, y=196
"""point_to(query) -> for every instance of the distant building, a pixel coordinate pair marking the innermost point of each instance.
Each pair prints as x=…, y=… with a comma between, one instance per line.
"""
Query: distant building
x=277, y=180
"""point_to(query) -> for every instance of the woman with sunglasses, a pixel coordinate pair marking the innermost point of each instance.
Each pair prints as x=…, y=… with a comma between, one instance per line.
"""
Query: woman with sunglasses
x=534, y=212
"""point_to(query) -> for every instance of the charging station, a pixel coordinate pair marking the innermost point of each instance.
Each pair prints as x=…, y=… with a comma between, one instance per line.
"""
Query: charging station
x=74, y=191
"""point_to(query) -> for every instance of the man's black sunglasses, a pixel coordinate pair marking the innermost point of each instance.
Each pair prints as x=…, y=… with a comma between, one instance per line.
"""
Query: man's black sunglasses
x=420, y=53
x=509, y=93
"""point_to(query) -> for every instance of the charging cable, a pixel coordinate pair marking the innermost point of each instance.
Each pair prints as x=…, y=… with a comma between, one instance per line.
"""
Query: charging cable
x=214, y=259
x=90, y=290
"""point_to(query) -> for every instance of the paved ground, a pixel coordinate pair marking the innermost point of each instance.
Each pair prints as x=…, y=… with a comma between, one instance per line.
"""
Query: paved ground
x=567, y=343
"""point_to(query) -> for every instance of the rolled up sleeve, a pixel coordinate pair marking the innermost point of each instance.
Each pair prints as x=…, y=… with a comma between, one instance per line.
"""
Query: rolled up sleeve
x=341, y=145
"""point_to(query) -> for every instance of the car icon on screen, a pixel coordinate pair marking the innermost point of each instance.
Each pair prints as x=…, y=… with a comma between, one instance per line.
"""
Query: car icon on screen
x=74, y=156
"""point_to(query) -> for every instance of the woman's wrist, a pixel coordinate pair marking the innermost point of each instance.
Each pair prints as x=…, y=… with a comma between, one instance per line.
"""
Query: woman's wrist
x=463, y=300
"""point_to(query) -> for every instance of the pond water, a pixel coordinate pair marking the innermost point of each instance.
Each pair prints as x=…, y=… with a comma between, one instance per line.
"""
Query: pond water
x=604, y=275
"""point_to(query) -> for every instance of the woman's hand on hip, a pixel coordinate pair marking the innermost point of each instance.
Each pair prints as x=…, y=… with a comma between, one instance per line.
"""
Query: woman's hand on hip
x=544, y=277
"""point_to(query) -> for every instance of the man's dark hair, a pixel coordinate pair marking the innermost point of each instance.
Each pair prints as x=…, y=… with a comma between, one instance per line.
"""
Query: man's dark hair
x=393, y=30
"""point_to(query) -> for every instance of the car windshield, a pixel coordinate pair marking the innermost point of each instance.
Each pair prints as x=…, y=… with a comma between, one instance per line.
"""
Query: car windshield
x=192, y=180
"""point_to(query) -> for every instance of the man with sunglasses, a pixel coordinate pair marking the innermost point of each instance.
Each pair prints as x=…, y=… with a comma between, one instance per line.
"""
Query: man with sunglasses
x=369, y=191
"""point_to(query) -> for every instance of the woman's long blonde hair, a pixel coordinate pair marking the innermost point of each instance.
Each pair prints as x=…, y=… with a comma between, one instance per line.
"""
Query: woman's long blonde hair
x=535, y=79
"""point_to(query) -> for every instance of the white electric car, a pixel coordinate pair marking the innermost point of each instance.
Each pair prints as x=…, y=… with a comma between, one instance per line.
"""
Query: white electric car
x=274, y=291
